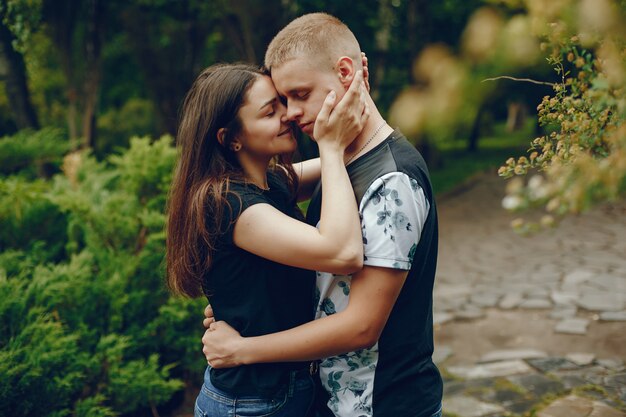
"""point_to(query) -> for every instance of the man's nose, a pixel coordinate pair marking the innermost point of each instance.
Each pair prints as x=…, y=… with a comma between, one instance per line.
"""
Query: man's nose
x=293, y=112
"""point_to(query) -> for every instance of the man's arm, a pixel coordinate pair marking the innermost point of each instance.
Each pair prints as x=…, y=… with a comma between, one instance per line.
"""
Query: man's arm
x=373, y=293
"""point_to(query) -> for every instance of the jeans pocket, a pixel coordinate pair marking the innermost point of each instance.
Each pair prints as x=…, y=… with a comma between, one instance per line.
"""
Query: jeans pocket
x=212, y=404
x=260, y=407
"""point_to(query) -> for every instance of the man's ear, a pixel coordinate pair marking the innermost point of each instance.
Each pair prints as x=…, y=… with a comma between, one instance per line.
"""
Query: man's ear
x=346, y=70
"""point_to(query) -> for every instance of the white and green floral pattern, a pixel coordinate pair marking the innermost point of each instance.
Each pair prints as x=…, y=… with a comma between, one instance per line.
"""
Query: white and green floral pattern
x=393, y=211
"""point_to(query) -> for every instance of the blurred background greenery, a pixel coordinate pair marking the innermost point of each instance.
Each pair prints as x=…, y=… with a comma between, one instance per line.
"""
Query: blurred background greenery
x=89, y=95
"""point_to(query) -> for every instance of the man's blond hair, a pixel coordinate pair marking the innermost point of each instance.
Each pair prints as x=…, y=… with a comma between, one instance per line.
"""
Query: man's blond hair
x=318, y=37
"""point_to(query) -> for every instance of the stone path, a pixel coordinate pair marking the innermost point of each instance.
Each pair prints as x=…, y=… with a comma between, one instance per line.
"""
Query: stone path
x=530, y=325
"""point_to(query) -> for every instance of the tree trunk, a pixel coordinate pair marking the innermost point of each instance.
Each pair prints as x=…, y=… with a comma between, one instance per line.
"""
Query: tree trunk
x=61, y=17
x=91, y=85
x=382, y=36
x=419, y=28
x=13, y=73
x=472, y=140
x=244, y=26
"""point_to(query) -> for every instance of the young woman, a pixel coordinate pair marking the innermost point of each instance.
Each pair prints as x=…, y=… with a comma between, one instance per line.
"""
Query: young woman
x=234, y=230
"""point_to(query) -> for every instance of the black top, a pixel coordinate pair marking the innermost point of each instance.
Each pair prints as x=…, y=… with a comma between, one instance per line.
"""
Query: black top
x=254, y=295
x=407, y=382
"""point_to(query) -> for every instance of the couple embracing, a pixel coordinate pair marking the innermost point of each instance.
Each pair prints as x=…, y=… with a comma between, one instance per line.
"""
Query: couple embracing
x=354, y=338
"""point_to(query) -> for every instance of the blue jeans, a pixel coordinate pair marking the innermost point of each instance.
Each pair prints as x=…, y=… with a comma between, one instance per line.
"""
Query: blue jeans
x=292, y=400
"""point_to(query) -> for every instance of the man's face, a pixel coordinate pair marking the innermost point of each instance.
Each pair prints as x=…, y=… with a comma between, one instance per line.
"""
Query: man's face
x=304, y=89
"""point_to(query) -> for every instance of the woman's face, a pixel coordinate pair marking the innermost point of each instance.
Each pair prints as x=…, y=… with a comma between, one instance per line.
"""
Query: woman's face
x=265, y=131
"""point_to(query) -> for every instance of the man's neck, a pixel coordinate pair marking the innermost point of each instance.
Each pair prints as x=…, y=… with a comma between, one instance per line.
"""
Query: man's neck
x=374, y=132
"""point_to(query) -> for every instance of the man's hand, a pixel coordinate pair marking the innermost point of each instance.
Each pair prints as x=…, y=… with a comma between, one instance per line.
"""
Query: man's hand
x=221, y=345
x=209, y=317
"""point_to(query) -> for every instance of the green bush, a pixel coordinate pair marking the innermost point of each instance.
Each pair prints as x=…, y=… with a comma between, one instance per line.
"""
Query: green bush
x=86, y=324
x=33, y=152
x=116, y=125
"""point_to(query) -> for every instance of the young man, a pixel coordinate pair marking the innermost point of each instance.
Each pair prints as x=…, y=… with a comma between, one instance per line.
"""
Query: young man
x=382, y=315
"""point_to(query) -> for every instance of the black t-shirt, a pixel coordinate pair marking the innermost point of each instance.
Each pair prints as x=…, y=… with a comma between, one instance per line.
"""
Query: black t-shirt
x=254, y=295
x=399, y=373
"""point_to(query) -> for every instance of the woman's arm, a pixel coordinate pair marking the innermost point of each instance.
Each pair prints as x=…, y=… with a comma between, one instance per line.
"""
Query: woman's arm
x=336, y=244
x=309, y=173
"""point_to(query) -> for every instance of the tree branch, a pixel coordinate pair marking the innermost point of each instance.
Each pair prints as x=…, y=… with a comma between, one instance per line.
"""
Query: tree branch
x=518, y=79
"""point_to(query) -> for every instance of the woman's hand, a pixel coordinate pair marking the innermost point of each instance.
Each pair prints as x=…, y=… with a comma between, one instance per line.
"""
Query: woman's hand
x=339, y=125
x=221, y=344
x=366, y=71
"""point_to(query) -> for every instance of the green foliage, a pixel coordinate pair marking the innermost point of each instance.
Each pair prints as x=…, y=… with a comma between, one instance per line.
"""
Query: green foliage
x=86, y=325
x=22, y=18
x=32, y=152
x=30, y=222
x=135, y=117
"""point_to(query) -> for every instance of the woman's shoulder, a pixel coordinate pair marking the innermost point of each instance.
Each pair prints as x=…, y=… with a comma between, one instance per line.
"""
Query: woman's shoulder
x=278, y=176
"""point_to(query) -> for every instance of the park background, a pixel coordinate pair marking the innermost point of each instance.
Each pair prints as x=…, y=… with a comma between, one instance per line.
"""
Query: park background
x=530, y=89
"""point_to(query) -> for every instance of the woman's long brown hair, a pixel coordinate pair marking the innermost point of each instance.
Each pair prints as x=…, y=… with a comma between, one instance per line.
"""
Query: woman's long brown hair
x=205, y=168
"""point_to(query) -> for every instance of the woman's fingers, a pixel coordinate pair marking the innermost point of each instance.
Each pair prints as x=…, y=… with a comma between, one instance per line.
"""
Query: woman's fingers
x=327, y=106
x=366, y=71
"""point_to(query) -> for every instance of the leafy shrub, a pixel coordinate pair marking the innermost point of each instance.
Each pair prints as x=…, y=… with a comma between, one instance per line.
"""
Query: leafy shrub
x=582, y=160
x=33, y=152
x=86, y=325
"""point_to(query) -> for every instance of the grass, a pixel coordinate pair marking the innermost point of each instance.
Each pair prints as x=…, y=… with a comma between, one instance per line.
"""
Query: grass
x=458, y=164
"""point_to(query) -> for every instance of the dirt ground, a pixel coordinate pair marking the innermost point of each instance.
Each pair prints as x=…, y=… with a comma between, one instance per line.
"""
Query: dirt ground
x=479, y=250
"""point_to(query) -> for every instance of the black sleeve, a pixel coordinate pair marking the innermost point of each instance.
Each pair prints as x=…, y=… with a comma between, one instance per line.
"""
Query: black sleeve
x=238, y=199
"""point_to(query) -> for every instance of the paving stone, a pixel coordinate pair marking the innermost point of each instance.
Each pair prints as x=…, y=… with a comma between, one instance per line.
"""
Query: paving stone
x=504, y=397
x=581, y=376
x=491, y=370
x=441, y=318
x=442, y=353
x=537, y=384
x=580, y=359
x=454, y=387
x=539, y=292
x=566, y=298
x=563, y=312
x=551, y=364
x=452, y=290
x=465, y=406
x=485, y=299
x=614, y=364
x=536, y=304
x=613, y=315
x=575, y=278
x=573, y=381
x=574, y=406
x=448, y=304
x=510, y=301
x=602, y=301
x=617, y=381
x=609, y=282
x=572, y=326
x=517, y=287
x=546, y=277
x=451, y=388
x=469, y=313
x=522, y=407
x=511, y=354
